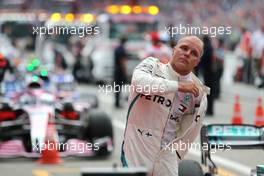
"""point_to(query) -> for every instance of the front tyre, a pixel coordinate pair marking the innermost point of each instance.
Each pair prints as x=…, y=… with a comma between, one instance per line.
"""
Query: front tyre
x=99, y=128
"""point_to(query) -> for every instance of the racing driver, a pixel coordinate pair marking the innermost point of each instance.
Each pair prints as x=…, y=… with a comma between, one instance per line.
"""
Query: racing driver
x=166, y=107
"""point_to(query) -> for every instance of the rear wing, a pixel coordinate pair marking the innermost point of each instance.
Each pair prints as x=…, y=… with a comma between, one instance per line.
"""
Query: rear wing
x=228, y=136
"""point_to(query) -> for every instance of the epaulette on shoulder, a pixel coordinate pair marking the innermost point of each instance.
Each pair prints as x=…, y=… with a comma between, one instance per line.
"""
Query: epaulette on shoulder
x=153, y=59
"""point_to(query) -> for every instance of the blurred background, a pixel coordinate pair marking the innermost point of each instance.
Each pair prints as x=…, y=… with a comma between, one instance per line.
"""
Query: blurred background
x=97, y=43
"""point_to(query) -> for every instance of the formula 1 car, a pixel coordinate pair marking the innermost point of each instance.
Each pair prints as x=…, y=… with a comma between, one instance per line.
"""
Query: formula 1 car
x=63, y=85
x=65, y=88
x=80, y=130
x=223, y=137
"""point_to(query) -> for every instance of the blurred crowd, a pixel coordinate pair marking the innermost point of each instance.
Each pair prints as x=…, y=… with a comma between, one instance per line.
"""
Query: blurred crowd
x=234, y=13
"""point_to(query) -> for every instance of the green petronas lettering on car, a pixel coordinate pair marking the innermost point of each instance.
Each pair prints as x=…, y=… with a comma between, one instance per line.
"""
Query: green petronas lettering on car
x=219, y=130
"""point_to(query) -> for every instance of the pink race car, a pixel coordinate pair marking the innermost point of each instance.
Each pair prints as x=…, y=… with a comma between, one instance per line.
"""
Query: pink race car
x=79, y=129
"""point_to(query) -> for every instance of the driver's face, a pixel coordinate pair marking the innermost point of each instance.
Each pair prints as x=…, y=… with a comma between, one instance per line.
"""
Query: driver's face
x=186, y=55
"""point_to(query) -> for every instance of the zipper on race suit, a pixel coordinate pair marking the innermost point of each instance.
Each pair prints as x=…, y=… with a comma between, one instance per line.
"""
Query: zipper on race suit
x=177, y=138
x=163, y=131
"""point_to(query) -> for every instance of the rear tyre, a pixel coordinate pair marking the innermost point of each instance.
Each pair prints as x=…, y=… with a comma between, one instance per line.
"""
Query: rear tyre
x=27, y=143
x=190, y=168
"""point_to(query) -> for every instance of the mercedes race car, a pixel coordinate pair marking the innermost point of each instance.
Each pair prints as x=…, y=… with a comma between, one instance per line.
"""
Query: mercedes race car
x=223, y=137
x=81, y=130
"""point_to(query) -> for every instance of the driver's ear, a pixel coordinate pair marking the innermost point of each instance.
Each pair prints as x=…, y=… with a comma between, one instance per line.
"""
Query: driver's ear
x=197, y=62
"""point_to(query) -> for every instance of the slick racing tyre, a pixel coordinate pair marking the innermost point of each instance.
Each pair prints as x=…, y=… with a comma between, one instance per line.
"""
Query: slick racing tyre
x=190, y=168
x=99, y=126
x=27, y=143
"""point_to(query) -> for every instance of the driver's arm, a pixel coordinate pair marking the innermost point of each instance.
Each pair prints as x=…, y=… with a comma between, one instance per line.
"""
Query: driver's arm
x=144, y=82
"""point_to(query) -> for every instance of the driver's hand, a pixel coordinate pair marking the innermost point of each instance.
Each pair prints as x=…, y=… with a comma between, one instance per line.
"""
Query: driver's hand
x=189, y=87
